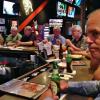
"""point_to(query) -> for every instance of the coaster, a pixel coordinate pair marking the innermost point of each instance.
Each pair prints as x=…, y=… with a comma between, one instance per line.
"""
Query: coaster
x=78, y=63
x=73, y=73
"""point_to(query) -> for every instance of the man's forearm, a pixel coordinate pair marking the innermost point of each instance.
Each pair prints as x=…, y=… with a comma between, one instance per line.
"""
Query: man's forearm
x=27, y=43
x=86, y=88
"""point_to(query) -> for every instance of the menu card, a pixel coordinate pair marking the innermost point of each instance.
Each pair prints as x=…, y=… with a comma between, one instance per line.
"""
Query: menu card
x=22, y=88
x=48, y=47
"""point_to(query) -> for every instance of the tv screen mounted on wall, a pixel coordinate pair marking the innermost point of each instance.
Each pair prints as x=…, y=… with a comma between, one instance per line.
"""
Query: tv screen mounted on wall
x=71, y=12
x=77, y=2
x=10, y=8
x=61, y=9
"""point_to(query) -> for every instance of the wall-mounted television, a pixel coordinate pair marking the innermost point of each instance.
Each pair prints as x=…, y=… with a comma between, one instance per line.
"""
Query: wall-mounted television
x=71, y=12
x=69, y=1
x=61, y=9
x=77, y=2
x=55, y=22
x=10, y=8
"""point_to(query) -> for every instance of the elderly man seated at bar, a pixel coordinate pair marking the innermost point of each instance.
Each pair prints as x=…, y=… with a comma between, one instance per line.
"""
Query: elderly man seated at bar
x=57, y=35
x=88, y=88
x=28, y=38
x=78, y=41
x=12, y=38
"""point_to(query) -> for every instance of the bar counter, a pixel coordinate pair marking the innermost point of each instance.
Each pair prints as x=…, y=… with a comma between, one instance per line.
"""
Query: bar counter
x=17, y=61
x=42, y=78
x=17, y=52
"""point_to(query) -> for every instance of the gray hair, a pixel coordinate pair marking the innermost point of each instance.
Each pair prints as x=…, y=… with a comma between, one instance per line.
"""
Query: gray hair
x=28, y=28
x=56, y=27
x=78, y=27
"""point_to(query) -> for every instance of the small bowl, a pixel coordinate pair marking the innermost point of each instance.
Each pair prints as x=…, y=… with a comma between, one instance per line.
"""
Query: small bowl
x=76, y=57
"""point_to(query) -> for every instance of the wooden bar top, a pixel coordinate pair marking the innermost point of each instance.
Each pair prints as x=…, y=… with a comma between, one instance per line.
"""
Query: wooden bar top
x=82, y=74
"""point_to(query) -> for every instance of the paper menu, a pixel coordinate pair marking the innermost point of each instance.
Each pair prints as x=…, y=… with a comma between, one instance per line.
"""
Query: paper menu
x=22, y=88
x=48, y=47
x=40, y=46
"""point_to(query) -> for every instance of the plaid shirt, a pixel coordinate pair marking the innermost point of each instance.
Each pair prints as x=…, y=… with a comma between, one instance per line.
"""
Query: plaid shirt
x=81, y=43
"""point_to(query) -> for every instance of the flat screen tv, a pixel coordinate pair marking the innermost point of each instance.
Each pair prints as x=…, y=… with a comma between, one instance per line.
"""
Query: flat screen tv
x=61, y=9
x=77, y=2
x=69, y=1
x=55, y=22
x=71, y=12
x=10, y=8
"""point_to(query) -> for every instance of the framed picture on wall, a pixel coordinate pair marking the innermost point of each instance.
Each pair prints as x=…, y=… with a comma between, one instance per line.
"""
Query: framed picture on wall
x=2, y=28
x=2, y=21
x=14, y=23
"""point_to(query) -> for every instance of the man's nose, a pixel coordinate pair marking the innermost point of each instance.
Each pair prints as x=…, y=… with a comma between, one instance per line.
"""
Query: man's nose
x=89, y=40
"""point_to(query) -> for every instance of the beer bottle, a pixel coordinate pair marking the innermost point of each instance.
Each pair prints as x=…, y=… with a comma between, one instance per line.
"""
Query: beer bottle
x=60, y=52
x=55, y=79
x=68, y=61
x=43, y=54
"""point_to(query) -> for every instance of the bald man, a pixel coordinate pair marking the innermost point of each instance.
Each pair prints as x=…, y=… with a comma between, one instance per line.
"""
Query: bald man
x=93, y=40
x=88, y=88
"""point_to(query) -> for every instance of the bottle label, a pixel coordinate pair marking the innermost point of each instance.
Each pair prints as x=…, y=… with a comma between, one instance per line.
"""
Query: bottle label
x=68, y=59
x=55, y=71
x=54, y=87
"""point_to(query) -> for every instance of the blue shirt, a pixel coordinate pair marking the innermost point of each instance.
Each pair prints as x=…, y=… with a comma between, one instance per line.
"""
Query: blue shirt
x=53, y=39
x=85, y=88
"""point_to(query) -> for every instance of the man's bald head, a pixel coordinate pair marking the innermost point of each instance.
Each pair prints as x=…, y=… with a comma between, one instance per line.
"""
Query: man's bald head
x=93, y=34
x=94, y=13
x=94, y=17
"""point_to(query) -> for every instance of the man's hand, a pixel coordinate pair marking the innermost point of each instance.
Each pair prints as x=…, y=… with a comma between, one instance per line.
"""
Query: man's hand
x=48, y=95
x=18, y=43
x=63, y=85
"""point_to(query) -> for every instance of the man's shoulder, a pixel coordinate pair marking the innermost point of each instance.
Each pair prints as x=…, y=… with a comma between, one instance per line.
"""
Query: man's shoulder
x=9, y=36
x=19, y=34
x=60, y=36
